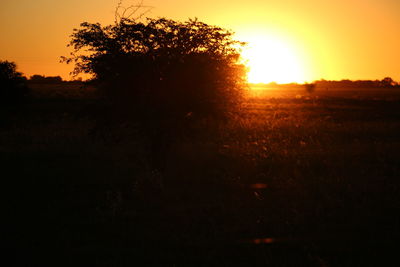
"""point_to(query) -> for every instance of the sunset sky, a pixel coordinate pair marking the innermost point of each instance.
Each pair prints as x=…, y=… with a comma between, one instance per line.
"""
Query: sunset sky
x=334, y=40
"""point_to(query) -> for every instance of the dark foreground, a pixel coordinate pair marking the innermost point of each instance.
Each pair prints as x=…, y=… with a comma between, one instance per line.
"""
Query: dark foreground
x=297, y=181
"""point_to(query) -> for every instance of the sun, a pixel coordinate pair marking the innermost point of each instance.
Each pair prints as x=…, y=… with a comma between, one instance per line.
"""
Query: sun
x=270, y=59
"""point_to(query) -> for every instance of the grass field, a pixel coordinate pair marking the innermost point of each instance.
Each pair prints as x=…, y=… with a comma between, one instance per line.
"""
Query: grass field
x=296, y=179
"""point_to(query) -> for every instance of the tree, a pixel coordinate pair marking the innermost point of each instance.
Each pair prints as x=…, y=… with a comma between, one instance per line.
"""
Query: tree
x=161, y=74
x=12, y=84
x=162, y=58
x=387, y=82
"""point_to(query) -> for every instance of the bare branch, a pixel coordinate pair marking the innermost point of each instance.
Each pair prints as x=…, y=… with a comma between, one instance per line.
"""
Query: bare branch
x=122, y=12
x=116, y=14
x=135, y=8
x=149, y=8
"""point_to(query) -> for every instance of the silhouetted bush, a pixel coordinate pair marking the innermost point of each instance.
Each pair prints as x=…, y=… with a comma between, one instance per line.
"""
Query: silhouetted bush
x=387, y=82
x=12, y=84
x=161, y=74
x=162, y=67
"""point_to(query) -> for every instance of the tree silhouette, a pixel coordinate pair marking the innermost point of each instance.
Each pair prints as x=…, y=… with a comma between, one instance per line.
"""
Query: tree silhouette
x=387, y=82
x=161, y=74
x=43, y=79
x=12, y=84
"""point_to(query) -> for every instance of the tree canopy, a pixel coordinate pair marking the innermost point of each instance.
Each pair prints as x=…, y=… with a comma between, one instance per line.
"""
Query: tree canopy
x=161, y=68
x=12, y=84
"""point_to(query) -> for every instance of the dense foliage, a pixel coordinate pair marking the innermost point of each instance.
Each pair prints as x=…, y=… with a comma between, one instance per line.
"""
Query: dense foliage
x=162, y=70
x=12, y=84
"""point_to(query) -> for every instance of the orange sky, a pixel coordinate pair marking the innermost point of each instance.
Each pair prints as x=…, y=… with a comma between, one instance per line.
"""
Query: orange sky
x=341, y=39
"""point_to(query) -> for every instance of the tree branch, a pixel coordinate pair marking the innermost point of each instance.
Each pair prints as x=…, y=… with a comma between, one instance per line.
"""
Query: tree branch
x=122, y=12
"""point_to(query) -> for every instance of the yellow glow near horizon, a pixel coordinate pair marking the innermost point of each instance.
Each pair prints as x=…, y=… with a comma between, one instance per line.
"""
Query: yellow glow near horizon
x=271, y=59
x=330, y=40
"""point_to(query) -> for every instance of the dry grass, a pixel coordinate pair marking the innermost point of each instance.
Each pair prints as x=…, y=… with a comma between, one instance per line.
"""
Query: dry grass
x=316, y=176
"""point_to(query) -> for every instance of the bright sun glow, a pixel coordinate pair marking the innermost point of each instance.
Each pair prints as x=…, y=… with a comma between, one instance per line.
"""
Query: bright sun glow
x=270, y=59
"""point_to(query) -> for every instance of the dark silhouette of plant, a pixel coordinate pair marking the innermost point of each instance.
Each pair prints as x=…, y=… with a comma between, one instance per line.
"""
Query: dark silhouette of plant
x=161, y=74
x=388, y=82
x=12, y=84
x=42, y=79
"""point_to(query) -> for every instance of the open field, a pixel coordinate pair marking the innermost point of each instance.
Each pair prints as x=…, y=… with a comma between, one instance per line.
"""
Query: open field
x=296, y=180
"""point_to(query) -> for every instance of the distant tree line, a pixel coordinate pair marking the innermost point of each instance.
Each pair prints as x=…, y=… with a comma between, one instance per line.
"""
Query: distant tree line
x=41, y=79
x=387, y=82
